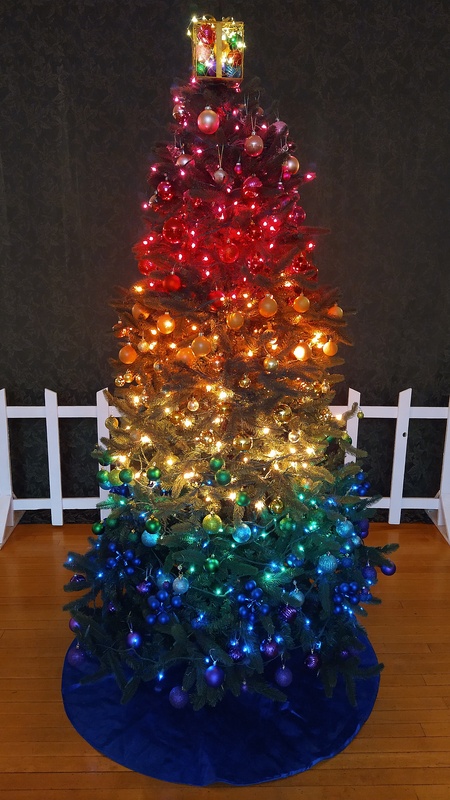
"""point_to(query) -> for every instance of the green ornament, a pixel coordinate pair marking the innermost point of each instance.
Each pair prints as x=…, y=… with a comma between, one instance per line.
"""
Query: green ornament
x=111, y=522
x=212, y=564
x=97, y=528
x=114, y=478
x=152, y=525
x=216, y=463
x=153, y=474
x=103, y=476
x=212, y=523
x=287, y=525
x=133, y=537
x=201, y=68
x=347, y=438
x=242, y=499
x=126, y=475
x=223, y=477
x=360, y=414
x=107, y=457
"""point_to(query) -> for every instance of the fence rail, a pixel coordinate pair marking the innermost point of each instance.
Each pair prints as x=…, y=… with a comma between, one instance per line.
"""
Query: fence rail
x=11, y=507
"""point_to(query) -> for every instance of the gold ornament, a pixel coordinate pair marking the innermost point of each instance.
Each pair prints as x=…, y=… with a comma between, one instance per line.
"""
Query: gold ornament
x=193, y=404
x=291, y=165
x=143, y=346
x=201, y=346
x=245, y=382
x=235, y=320
x=128, y=376
x=165, y=323
x=138, y=380
x=127, y=354
x=268, y=306
x=276, y=506
x=301, y=303
x=270, y=364
x=330, y=348
x=112, y=423
x=335, y=312
x=186, y=355
x=243, y=442
x=293, y=436
x=282, y=413
x=140, y=312
x=302, y=352
x=120, y=380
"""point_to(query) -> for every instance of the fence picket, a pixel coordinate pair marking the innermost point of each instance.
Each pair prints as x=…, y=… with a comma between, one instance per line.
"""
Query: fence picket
x=400, y=446
x=54, y=460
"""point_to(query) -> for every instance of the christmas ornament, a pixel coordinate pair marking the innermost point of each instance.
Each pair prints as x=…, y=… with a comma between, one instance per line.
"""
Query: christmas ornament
x=312, y=661
x=287, y=525
x=76, y=657
x=236, y=653
x=173, y=230
x=186, y=355
x=97, y=528
x=126, y=475
x=149, y=539
x=74, y=625
x=180, y=585
x=214, y=676
x=242, y=499
x=229, y=253
x=335, y=312
x=152, y=524
x=235, y=320
x=216, y=463
x=282, y=413
x=242, y=533
x=238, y=167
x=153, y=474
x=302, y=352
x=145, y=266
x=344, y=528
x=220, y=176
x=243, y=442
x=223, y=477
x=283, y=676
x=330, y=348
x=127, y=354
x=251, y=187
x=327, y=563
x=201, y=346
x=178, y=698
x=165, y=323
x=165, y=190
x=369, y=573
x=77, y=578
x=288, y=613
x=193, y=404
x=134, y=639
x=143, y=346
x=216, y=299
x=253, y=145
x=178, y=111
x=207, y=34
x=244, y=382
x=212, y=564
x=291, y=165
x=139, y=311
x=269, y=648
x=276, y=506
x=172, y=283
x=388, y=569
x=183, y=160
x=208, y=121
x=267, y=307
x=271, y=364
x=301, y=304
x=212, y=523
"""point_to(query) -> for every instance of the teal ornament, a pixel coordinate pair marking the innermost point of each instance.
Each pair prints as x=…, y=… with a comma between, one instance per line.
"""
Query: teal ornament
x=344, y=528
x=223, y=477
x=180, y=585
x=298, y=596
x=126, y=475
x=149, y=539
x=242, y=534
x=356, y=541
x=327, y=563
x=242, y=499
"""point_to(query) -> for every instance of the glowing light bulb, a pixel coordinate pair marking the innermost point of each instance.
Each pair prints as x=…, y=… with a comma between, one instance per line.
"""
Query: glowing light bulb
x=145, y=439
x=232, y=496
x=170, y=462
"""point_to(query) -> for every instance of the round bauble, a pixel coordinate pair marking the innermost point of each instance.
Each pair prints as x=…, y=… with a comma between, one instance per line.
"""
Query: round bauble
x=251, y=187
x=152, y=525
x=180, y=585
x=220, y=176
x=276, y=506
x=186, y=355
x=214, y=676
x=235, y=320
x=216, y=463
x=139, y=311
x=268, y=306
x=178, y=111
x=216, y=300
x=242, y=442
x=330, y=348
x=76, y=657
x=245, y=382
x=301, y=304
x=145, y=266
x=291, y=165
x=173, y=230
x=178, y=698
x=269, y=648
x=98, y=528
x=143, y=346
x=312, y=661
x=206, y=34
x=271, y=364
x=172, y=283
x=282, y=413
x=127, y=354
x=242, y=533
x=223, y=477
x=212, y=523
x=229, y=253
x=335, y=312
x=201, y=346
x=253, y=145
x=153, y=473
x=149, y=539
x=183, y=160
x=208, y=121
x=288, y=613
x=242, y=499
x=236, y=652
x=212, y=564
x=327, y=563
x=126, y=475
x=302, y=352
x=119, y=381
x=165, y=323
x=388, y=569
x=344, y=528
x=287, y=525
x=283, y=676
x=165, y=190
x=193, y=404
x=134, y=639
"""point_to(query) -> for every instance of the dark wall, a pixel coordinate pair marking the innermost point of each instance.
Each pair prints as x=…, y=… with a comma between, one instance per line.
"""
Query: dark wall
x=85, y=93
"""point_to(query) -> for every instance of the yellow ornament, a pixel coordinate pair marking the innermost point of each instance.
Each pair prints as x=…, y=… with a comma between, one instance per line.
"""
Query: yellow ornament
x=120, y=380
x=335, y=312
x=127, y=354
x=243, y=442
x=268, y=306
x=139, y=311
x=235, y=320
x=212, y=523
x=128, y=376
x=302, y=352
x=330, y=348
x=143, y=346
x=165, y=323
x=245, y=382
x=301, y=303
x=186, y=355
x=112, y=423
x=270, y=364
x=282, y=413
x=276, y=506
x=193, y=404
x=201, y=346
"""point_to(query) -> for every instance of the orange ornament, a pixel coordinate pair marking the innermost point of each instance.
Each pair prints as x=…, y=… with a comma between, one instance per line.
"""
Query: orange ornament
x=301, y=303
x=302, y=352
x=127, y=354
x=165, y=323
x=267, y=307
x=186, y=355
x=235, y=320
x=139, y=311
x=335, y=312
x=201, y=346
x=330, y=348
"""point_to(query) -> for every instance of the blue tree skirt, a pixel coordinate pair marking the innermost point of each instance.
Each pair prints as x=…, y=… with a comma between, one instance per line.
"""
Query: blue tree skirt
x=244, y=740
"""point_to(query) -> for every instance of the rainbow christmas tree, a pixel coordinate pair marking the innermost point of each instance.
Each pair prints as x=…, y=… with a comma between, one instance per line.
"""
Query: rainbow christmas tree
x=236, y=528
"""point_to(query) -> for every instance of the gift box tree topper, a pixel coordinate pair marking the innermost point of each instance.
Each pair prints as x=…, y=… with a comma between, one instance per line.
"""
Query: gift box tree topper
x=236, y=529
x=217, y=48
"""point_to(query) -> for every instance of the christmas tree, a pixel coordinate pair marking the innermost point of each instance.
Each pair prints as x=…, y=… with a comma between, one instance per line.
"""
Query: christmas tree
x=236, y=526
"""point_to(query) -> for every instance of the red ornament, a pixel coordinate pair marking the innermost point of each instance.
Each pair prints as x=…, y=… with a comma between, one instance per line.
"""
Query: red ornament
x=208, y=121
x=229, y=253
x=206, y=34
x=254, y=232
x=145, y=266
x=216, y=299
x=165, y=190
x=178, y=112
x=172, y=283
x=251, y=187
x=173, y=230
x=271, y=225
x=297, y=215
x=238, y=168
x=253, y=145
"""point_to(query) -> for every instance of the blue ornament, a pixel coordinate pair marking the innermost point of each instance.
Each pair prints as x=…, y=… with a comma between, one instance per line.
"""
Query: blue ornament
x=153, y=603
x=356, y=541
x=76, y=656
x=249, y=586
x=150, y=619
x=388, y=569
x=327, y=563
x=242, y=533
x=214, y=676
x=163, y=618
x=369, y=573
x=149, y=539
x=180, y=585
x=134, y=639
x=178, y=698
x=177, y=601
x=344, y=528
x=283, y=676
x=161, y=578
x=162, y=595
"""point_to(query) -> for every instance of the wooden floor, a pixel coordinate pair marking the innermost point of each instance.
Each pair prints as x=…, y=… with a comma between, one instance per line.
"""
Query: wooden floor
x=402, y=753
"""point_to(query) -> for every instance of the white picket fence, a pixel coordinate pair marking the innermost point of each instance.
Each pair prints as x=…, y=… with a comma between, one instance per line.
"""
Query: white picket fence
x=11, y=507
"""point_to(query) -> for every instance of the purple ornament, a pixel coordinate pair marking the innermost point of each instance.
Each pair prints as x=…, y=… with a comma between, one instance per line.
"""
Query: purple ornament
x=77, y=578
x=344, y=654
x=236, y=653
x=178, y=698
x=369, y=573
x=74, y=625
x=388, y=569
x=144, y=587
x=134, y=639
x=283, y=676
x=312, y=661
x=214, y=676
x=269, y=648
x=76, y=657
x=111, y=608
x=288, y=613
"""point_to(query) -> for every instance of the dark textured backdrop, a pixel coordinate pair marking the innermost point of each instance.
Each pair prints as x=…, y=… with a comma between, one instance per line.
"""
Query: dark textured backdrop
x=84, y=94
